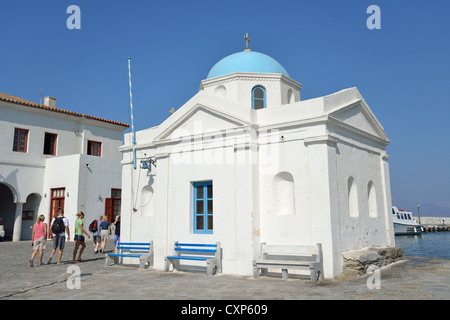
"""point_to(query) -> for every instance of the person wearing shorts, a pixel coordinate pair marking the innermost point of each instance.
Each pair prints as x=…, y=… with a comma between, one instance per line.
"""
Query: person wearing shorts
x=39, y=238
x=116, y=232
x=79, y=238
x=59, y=240
x=105, y=231
x=96, y=235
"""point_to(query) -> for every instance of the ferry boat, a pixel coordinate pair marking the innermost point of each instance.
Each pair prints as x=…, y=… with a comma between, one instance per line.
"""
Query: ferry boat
x=404, y=224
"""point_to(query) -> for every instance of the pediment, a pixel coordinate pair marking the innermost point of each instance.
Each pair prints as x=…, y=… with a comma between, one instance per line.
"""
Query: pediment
x=359, y=116
x=199, y=120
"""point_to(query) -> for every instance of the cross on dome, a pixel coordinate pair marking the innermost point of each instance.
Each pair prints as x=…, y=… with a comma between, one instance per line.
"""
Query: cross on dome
x=247, y=40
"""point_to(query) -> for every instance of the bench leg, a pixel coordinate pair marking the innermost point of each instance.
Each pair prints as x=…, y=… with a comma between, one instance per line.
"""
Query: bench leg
x=166, y=265
x=284, y=274
x=176, y=264
x=107, y=261
x=210, y=266
x=255, y=272
x=143, y=261
x=315, y=274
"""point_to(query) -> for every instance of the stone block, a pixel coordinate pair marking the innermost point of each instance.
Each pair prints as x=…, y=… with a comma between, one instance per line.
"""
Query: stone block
x=356, y=262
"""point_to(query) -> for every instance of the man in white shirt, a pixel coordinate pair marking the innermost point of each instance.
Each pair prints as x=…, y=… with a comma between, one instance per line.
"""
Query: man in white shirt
x=59, y=238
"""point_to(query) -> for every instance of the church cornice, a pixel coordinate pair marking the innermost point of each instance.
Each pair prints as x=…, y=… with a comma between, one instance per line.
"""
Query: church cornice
x=243, y=76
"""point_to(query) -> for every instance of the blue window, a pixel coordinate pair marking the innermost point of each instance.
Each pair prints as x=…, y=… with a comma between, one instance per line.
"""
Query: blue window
x=258, y=97
x=203, y=207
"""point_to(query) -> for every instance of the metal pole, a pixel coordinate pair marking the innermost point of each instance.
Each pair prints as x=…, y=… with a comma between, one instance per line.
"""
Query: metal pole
x=133, y=134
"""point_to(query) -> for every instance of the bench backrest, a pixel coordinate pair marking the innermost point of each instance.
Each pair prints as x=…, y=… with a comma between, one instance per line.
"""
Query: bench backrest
x=135, y=247
x=292, y=252
x=197, y=249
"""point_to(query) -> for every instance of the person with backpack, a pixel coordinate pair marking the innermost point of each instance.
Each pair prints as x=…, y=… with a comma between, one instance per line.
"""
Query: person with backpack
x=79, y=238
x=94, y=227
x=59, y=227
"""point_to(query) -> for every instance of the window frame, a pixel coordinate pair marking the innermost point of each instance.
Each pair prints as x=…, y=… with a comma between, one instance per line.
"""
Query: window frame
x=21, y=130
x=91, y=148
x=259, y=99
x=54, y=143
x=116, y=196
x=205, y=198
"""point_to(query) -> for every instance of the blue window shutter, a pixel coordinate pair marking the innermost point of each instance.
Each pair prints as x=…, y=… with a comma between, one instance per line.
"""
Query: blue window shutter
x=203, y=207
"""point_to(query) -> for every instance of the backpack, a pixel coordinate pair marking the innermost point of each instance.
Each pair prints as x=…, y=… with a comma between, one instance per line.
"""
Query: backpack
x=58, y=226
x=93, y=226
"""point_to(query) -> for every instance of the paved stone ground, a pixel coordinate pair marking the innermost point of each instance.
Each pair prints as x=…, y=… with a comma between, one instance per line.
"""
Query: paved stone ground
x=412, y=278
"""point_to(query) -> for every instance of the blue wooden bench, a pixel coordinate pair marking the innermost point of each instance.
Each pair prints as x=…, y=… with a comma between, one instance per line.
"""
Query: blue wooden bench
x=143, y=251
x=211, y=253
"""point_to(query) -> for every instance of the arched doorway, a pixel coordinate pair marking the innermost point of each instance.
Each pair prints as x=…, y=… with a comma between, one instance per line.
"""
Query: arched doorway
x=30, y=212
x=7, y=209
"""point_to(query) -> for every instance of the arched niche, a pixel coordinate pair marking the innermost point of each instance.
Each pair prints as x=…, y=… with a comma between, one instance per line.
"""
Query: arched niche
x=284, y=194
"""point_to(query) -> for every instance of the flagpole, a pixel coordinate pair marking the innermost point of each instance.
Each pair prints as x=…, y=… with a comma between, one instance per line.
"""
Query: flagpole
x=133, y=134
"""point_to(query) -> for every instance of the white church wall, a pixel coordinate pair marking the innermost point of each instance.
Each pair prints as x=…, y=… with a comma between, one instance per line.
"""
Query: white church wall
x=305, y=111
x=237, y=87
x=357, y=170
x=276, y=215
x=173, y=211
x=323, y=198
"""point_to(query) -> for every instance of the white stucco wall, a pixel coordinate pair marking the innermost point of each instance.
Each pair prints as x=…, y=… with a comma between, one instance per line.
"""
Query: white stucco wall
x=33, y=173
x=86, y=188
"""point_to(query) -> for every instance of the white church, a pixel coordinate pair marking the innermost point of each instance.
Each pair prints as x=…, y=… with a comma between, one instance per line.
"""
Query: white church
x=246, y=161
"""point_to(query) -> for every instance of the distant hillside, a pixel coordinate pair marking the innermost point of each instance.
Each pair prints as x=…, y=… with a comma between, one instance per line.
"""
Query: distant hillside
x=427, y=210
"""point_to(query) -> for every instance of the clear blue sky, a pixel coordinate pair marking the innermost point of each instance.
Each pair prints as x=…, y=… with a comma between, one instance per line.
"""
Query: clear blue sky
x=402, y=70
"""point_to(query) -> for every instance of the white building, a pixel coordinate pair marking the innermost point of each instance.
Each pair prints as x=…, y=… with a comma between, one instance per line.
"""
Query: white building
x=52, y=158
x=246, y=161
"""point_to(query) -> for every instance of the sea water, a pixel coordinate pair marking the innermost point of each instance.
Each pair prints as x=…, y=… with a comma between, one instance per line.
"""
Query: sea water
x=427, y=244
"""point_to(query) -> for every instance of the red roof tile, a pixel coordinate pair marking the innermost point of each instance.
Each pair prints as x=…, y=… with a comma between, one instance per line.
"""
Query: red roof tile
x=13, y=99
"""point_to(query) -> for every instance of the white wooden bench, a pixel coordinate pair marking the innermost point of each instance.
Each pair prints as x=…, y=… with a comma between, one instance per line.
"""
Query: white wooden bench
x=143, y=251
x=290, y=257
x=211, y=253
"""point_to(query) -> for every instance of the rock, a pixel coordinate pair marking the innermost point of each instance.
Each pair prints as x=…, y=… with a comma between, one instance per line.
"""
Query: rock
x=356, y=262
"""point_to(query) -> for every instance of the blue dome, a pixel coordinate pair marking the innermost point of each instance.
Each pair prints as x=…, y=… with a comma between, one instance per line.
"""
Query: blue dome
x=246, y=61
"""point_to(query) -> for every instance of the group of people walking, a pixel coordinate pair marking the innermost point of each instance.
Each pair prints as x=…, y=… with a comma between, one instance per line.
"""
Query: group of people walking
x=59, y=228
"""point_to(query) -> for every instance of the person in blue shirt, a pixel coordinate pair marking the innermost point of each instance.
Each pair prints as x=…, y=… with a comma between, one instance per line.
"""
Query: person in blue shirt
x=105, y=231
